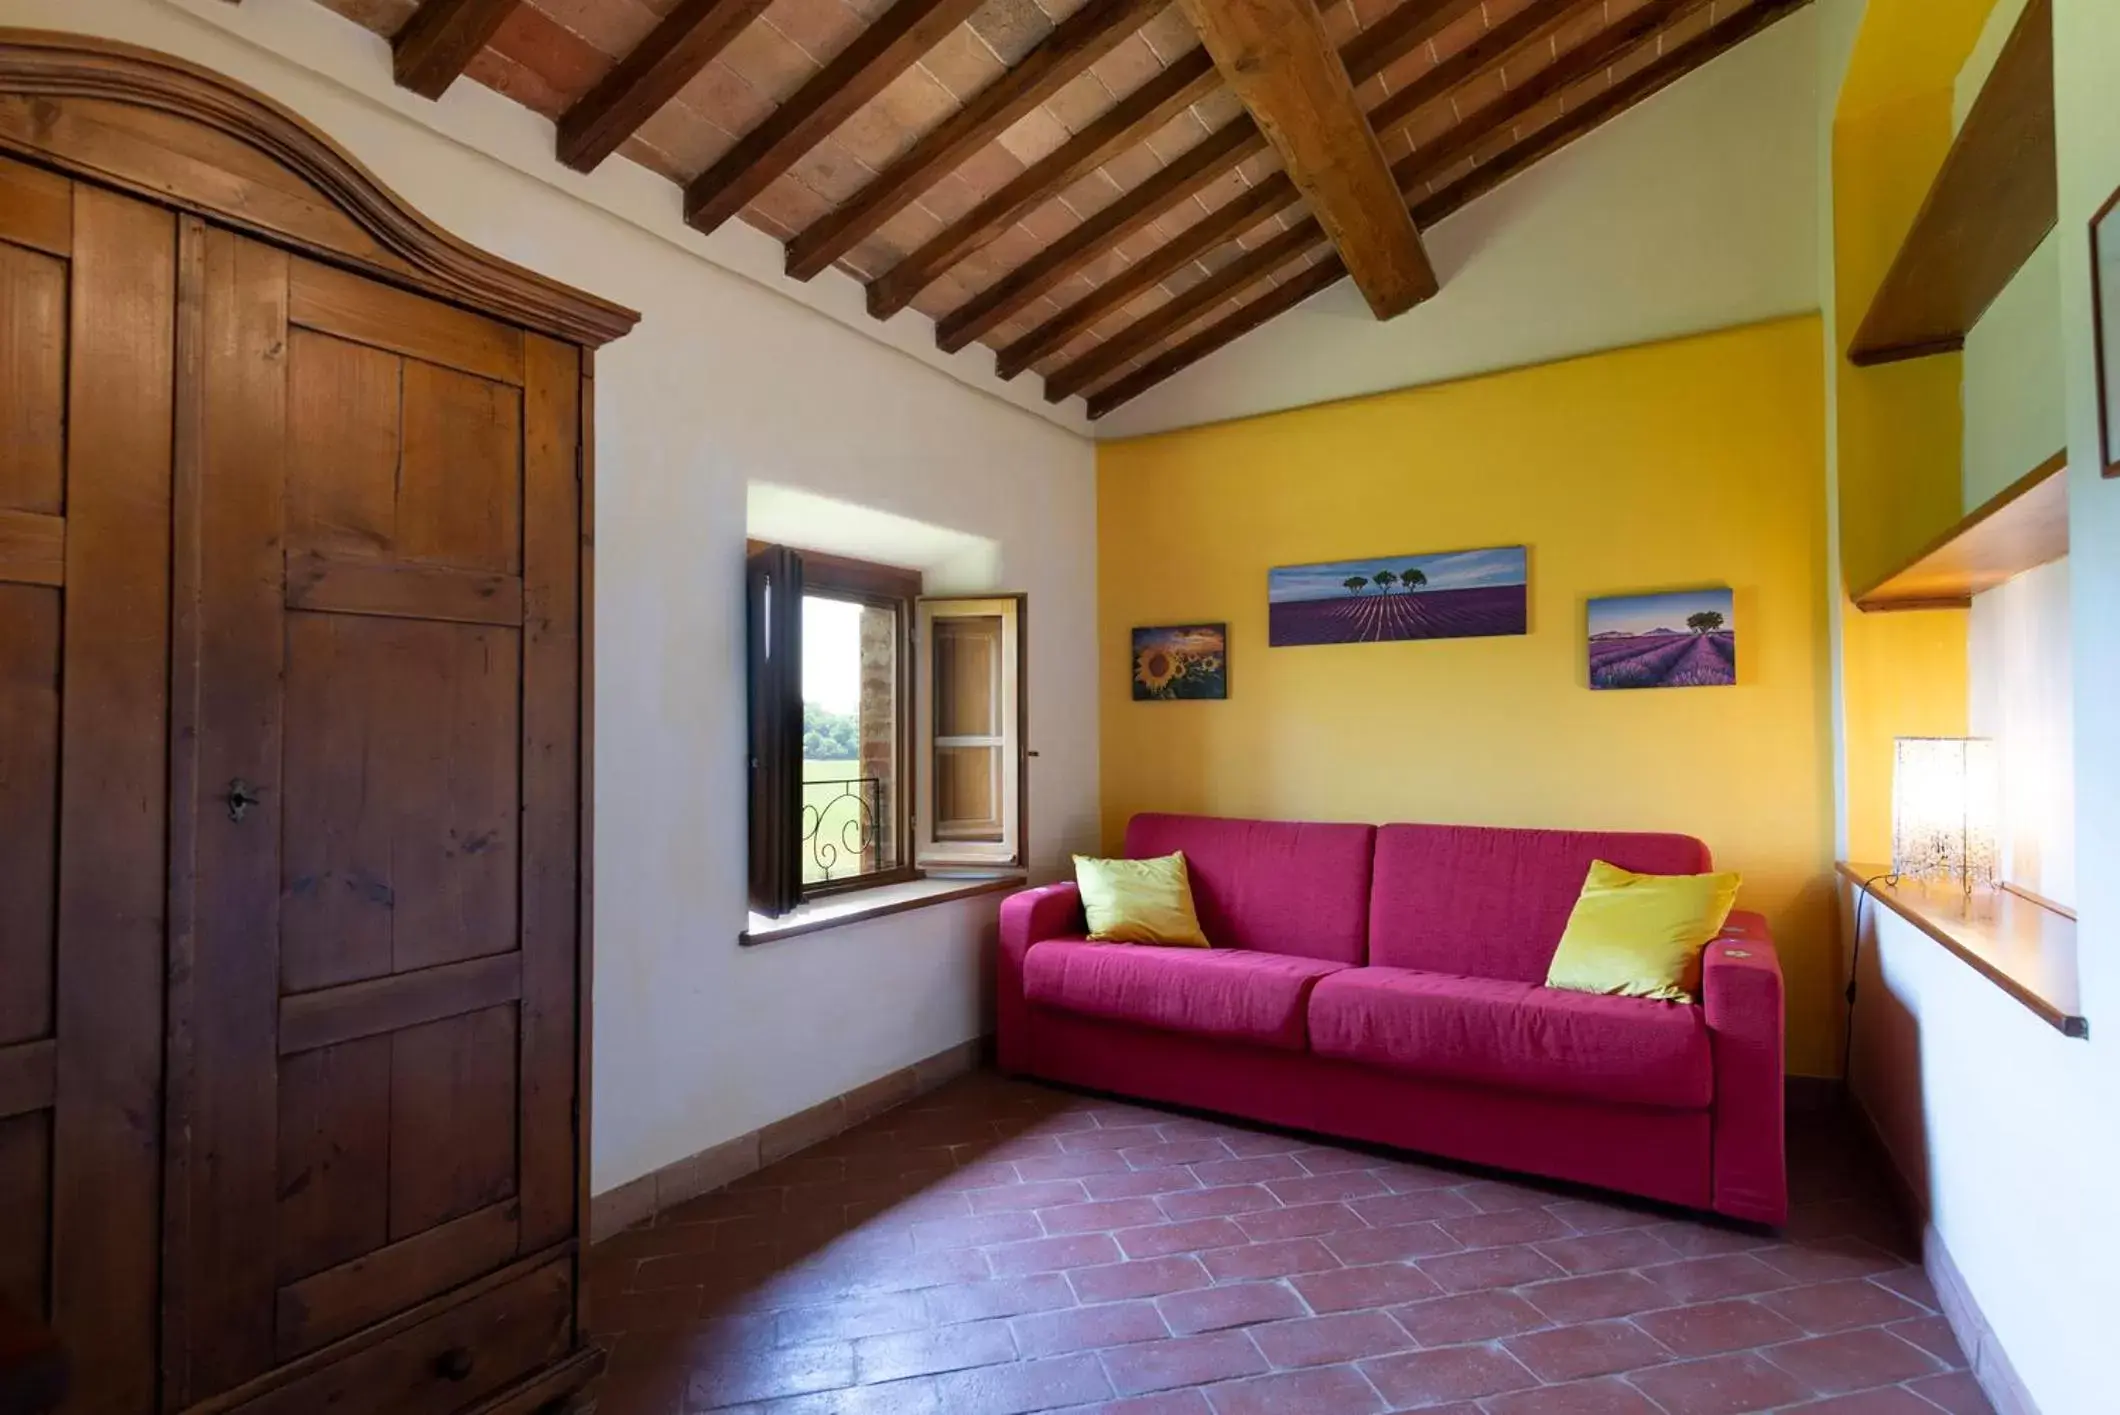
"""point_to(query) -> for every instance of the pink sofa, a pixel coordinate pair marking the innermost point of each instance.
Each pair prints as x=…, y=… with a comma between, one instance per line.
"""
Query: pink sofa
x=1385, y=984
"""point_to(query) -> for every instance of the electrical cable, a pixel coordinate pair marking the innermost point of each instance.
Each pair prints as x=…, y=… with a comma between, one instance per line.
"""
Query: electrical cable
x=1847, y=1042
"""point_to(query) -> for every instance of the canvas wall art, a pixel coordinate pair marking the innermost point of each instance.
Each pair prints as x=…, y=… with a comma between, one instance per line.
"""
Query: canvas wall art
x=1181, y=661
x=1461, y=594
x=1682, y=640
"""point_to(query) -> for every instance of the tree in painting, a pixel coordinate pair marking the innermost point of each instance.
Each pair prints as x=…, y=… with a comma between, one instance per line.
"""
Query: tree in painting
x=1413, y=580
x=1385, y=580
x=1706, y=622
x=1355, y=583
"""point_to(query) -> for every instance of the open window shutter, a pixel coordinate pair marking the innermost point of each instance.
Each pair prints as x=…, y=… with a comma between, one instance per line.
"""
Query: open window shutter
x=969, y=801
x=774, y=658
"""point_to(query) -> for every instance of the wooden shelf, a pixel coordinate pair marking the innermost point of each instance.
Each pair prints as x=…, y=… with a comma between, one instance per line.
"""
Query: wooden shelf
x=1995, y=200
x=2021, y=529
x=2024, y=946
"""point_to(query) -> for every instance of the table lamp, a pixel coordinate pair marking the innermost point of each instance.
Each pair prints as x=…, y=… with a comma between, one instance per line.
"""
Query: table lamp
x=1946, y=805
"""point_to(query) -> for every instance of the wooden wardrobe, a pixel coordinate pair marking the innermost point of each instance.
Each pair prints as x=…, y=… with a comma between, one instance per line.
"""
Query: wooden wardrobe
x=294, y=580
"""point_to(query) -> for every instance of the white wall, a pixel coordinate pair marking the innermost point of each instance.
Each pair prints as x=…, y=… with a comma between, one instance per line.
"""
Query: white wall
x=1695, y=211
x=2013, y=1128
x=1973, y=74
x=2015, y=396
x=2018, y=661
x=723, y=383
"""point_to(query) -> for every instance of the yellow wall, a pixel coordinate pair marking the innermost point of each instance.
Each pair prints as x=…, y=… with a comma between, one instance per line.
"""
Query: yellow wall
x=1677, y=465
x=1900, y=425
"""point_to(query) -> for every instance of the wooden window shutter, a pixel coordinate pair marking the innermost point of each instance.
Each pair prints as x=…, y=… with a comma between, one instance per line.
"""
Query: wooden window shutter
x=773, y=616
x=970, y=790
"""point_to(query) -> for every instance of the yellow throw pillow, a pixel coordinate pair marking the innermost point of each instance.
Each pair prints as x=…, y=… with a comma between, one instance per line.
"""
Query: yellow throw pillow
x=1641, y=935
x=1139, y=901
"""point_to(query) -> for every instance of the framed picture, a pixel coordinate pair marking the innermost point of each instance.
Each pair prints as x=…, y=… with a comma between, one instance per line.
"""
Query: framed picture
x=2105, y=300
x=1181, y=661
x=1682, y=640
x=1458, y=594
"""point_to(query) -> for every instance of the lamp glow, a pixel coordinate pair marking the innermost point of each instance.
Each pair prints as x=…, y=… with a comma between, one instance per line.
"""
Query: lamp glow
x=1946, y=805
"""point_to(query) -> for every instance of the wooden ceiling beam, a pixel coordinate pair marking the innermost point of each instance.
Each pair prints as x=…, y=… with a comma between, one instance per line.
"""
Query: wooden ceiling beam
x=1710, y=44
x=1592, y=56
x=1227, y=330
x=1195, y=168
x=1537, y=23
x=658, y=68
x=880, y=53
x=1277, y=57
x=1234, y=217
x=1366, y=55
x=1667, y=69
x=1531, y=26
x=1134, y=119
x=440, y=41
x=1076, y=42
x=1180, y=310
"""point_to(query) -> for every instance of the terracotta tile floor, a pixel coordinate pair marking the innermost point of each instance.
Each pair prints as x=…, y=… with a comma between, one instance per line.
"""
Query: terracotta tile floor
x=999, y=1247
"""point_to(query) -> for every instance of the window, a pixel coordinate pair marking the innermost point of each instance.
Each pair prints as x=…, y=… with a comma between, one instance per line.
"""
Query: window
x=970, y=793
x=885, y=729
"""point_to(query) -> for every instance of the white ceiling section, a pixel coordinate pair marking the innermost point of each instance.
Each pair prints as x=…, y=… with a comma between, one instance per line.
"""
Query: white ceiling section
x=1697, y=210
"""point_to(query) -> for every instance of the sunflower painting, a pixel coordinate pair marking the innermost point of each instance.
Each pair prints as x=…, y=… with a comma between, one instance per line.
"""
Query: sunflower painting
x=1181, y=661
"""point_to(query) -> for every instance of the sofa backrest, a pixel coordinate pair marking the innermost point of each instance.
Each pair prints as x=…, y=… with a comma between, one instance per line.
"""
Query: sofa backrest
x=1489, y=903
x=1276, y=886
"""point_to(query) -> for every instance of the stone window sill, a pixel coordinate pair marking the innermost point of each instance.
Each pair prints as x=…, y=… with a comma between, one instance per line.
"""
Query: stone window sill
x=837, y=910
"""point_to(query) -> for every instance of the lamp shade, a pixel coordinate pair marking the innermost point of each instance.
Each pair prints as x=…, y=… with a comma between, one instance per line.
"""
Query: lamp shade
x=1946, y=809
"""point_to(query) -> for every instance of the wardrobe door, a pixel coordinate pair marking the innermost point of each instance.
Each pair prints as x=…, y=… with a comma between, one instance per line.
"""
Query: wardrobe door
x=374, y=841
x=87, y=293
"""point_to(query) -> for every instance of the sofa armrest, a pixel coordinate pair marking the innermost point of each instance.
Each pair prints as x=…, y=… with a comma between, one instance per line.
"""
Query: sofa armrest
x=1741, y=991
x=1049, y=911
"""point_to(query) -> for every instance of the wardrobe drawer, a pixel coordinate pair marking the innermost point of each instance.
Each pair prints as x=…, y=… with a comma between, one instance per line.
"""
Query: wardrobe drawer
x=448, y=1362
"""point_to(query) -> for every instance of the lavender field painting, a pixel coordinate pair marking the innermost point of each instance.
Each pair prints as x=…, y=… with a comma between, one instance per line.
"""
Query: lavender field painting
x=1463, y=594
x=1684, y=640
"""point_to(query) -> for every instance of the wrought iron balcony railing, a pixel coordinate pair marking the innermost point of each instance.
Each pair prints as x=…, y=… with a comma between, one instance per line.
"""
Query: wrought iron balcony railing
x=841, y=828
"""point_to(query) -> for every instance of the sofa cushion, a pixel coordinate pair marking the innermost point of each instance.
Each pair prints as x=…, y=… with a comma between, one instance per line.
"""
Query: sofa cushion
x=1235, y=995
x=1491, y=903
x=1272, y=886
x=1518, y=1036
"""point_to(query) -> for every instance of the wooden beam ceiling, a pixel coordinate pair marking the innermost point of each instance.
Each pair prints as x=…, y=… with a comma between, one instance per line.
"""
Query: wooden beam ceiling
x=1142, y=240
x=879, y=54
x=1076, y=43
x=441, y=38
x=1414, y=24
x=1277, y=57
x=662, y=64
x=1672, y=64
x=1132, y=120
x=1535, y=24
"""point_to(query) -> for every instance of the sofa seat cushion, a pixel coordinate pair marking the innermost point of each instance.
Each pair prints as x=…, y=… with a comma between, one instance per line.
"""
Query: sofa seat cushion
x=1233, y=994
x=1518, y=1036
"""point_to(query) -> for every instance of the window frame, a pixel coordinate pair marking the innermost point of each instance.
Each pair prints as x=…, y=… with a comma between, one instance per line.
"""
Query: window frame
x=881, y=586
x=865, y=582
